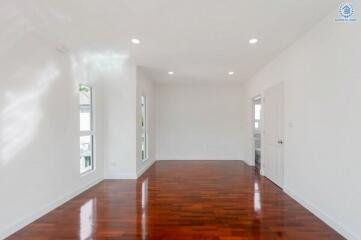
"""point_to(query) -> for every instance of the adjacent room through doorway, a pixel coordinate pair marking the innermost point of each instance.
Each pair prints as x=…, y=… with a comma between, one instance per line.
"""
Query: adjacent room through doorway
x=257, y=106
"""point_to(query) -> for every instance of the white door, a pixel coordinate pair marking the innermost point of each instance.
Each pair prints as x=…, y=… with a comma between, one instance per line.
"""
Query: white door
x=273, y=134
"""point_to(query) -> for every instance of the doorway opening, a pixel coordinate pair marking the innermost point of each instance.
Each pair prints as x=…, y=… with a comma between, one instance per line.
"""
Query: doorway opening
x=257, y=108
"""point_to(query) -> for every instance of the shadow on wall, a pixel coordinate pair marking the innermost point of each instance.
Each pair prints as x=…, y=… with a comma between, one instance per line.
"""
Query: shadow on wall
x=20, y=110
x=21, y=113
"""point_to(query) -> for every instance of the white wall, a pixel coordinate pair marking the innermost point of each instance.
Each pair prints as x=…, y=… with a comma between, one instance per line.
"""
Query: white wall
x=120, y=124
x=146, y=87
x=124, y=87
x=199, y=122
x=322, y=79
x=39, y=126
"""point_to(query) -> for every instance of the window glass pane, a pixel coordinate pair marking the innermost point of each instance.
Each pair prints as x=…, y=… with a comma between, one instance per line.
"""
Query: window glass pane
x=143, y=147
x=86, y=153
x=85, y=96
x=143, y=111
x=256, y=125
x=144, y=128
x=257, y=111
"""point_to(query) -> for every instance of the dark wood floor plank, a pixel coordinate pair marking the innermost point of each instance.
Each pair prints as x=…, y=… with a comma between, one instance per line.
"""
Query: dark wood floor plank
x=180, y=200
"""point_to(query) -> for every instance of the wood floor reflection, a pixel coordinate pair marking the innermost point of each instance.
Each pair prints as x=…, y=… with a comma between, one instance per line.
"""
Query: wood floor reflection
x=180, y=200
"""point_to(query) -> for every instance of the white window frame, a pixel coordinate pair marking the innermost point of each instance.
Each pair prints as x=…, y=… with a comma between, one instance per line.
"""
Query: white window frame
x=90, y=133
x=144, y=129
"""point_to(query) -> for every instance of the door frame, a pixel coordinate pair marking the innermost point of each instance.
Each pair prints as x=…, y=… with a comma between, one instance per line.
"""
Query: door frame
x=253, y=161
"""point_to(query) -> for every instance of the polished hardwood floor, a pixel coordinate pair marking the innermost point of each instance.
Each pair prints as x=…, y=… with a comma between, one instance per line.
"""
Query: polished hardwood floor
x=180, y=200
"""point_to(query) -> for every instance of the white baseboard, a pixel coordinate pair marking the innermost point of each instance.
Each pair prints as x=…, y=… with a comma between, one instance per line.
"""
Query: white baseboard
x=145, y=168
x=120, y=176
x=324, y=217
x=248, y=163
x=12, y=228
x=197, y=159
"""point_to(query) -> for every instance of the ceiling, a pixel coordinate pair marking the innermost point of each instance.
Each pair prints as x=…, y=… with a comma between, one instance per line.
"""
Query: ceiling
x=200, y=40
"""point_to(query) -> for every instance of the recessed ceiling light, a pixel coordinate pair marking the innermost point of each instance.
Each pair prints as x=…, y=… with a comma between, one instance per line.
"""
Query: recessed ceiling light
x=135, y=41
x=253, y=41
x=170, y=73
x=230, y=73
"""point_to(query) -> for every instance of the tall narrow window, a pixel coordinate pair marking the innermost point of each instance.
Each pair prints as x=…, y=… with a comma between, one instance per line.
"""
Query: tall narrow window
x=86, y=128
x=257, y=115
x=144, y=129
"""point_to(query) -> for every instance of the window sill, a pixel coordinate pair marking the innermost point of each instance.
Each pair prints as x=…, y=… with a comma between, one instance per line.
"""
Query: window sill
x=87, y=173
